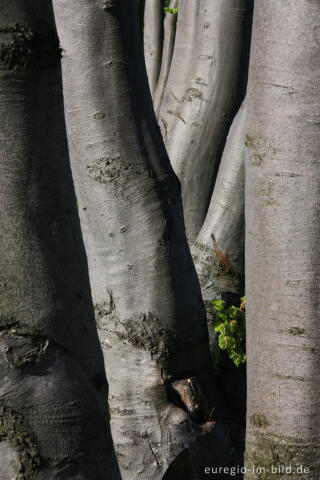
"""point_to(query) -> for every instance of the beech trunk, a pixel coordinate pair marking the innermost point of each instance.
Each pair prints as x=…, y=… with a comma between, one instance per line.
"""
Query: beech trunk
x=283, y=238
x=147, y=298
x=53, y=390
x=206, y=85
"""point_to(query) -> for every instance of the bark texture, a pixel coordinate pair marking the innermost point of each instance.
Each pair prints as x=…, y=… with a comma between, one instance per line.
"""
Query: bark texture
x=218, y=252
x=205, y=88
x=153, y=40
x=170, y=26
x=148, y=304
x=283, y=238
x=53, y=390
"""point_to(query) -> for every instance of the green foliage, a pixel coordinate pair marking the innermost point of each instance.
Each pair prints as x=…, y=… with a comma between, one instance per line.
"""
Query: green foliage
x=167, y=9
x=230, y=325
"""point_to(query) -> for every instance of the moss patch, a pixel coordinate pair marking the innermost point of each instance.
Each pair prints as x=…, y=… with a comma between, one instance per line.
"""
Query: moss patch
x=265, y=450
x=259, y=421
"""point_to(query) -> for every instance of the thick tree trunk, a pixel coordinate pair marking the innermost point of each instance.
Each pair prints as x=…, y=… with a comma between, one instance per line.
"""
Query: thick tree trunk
x=206, y=84
x=153, y=40
x=53, y=388
x=148, y=304
x=283, y=238
x=170, y=25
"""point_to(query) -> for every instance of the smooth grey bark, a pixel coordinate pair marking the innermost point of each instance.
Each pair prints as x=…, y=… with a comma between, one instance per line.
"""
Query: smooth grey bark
x=205, y=88
x=218, y=254
x=283, y=238
x=53, y=387
x=147, y=298
x=153, y=40
x=218, y=251
x=170, y=25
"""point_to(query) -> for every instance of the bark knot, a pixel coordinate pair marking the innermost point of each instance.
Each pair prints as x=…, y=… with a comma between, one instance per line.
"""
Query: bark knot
x=23, y=349
x=192, y=398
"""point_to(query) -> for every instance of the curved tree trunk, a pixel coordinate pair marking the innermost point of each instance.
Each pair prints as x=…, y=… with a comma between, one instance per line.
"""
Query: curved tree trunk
x=148, y=303
x=283, y=238
x=153, y=40
x=203, y=96
x=170, y=25
x=218, y=252
x=52, y=380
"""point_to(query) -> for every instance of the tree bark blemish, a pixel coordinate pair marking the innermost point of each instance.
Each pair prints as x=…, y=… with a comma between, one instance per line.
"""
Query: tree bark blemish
x=98, y=116
x=21, y=350
x=200, y=81
x=259, y=421
x=223, y=261
x=178, y=115
x=104, y=312
x=145, y=333
x=262, y=149
x=30, y=50
x=192, y=93
x=109, y=4
x=294, y=331
x=165, y=126
x=114, y=169
x=14, y=429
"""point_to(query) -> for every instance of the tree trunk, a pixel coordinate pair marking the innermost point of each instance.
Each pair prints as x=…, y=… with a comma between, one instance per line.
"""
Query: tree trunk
x=153, y=40
x=218, y=252
x=205, y=88
x=52, y=380
x=218, y=255
x=283, y=238
x=170, y=25
x=148, y=303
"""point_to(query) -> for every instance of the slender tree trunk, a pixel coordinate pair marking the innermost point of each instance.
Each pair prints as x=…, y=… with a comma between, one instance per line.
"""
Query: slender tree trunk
x=170, y=25
x=218, y=252
x=148, y=303
x=182, y=61
x=218, y=255
x=53, y=388
x=153, y=40
x=283, y=238
x=203, y=96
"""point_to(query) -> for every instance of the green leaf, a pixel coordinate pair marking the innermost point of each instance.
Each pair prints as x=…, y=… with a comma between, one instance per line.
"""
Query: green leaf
x=233, y=325
x=220, y=328
x=218, y=304
x=173, y=11
x=222, y=342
